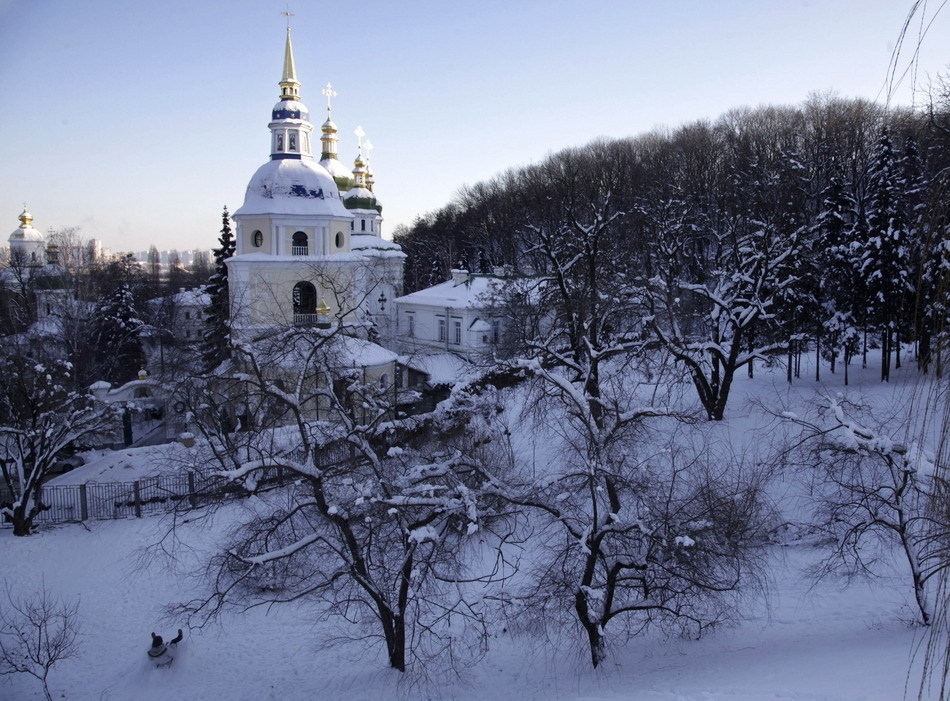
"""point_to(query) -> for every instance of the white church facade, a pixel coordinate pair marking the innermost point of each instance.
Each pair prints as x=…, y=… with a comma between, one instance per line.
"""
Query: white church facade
x=308, y=243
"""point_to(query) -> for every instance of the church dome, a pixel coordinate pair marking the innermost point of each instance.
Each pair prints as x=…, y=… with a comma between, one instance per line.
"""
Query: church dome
x=361, y=198
x=51, y=276
x=26, y=232
x=337, y=169
x=26, y=243
x=292, y=186
x=290, y=109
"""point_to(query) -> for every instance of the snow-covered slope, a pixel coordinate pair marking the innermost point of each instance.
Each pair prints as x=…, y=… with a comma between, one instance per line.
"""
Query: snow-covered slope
x=804, y=641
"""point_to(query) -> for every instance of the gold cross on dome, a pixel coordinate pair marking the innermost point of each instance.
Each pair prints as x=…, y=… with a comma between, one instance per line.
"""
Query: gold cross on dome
x=329, y=92
x=359, y=137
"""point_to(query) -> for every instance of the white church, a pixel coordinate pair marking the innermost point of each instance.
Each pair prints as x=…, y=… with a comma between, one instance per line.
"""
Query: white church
x=310, y=252
x=309, y=246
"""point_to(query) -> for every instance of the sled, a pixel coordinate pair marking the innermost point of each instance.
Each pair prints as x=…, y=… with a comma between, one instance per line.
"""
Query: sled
x=162, y=657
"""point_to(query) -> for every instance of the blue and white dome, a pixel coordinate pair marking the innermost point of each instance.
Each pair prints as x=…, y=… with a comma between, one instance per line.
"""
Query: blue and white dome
x=292, y=186
x=290, y=109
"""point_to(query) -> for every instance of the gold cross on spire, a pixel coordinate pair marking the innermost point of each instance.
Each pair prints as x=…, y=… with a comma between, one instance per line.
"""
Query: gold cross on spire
x=288, y=14
x=329, y=92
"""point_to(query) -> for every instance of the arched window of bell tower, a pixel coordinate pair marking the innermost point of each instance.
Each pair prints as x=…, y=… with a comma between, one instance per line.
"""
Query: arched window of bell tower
x=299, y=245
x=305, y=304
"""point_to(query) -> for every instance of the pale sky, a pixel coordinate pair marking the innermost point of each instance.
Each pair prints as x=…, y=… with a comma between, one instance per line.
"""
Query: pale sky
x=138, y=120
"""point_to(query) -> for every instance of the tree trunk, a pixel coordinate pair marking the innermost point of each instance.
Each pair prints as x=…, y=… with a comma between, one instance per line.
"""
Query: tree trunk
x=751, y=362
x=23, y=513
x=595, y=637
x=886, y=354
x=788, y=366
x=923, y=349
x=22, y=527
x=396, y=648
x=897, y=349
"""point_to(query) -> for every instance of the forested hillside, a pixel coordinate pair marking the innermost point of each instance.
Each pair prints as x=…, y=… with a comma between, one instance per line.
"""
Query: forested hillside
x=768, y=231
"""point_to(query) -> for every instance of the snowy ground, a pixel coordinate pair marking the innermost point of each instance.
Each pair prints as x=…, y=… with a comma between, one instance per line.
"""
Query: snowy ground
x=808, y=642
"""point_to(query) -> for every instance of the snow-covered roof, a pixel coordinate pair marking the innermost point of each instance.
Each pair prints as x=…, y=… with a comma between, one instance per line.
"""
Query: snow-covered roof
x=289, y=349
x=336, y=168
x=442, y=368
x=51, y=270
x=186, y=298
x=360, y=192
x=26, y=233
x=292, y=186
x=364, y=353
x=469, y=294
x=290, y=109
x=360, y=242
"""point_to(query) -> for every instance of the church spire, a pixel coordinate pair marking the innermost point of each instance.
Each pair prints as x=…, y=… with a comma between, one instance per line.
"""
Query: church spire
x=329, y=138
x=290, y=122
x=359, y=165
x=289, y=87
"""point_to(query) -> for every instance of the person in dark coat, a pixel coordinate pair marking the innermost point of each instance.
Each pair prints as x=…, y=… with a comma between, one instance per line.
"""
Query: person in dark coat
x=161, y=653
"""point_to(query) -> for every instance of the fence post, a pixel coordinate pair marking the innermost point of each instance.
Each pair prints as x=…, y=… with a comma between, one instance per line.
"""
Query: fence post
x=138, y=499
x=192, y=497
x=83, y=503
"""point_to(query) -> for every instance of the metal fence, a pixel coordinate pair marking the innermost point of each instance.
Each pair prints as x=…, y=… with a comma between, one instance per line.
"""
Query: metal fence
x=156, y=495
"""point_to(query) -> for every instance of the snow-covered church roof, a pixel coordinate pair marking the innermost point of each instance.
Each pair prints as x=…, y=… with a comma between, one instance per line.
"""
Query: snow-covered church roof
x=292, y=186
x=464, y=291
x=25, y=232
x=371, y=242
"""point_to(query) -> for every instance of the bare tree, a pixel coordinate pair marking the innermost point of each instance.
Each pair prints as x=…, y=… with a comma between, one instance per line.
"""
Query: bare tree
x=40, y=416
x=715, y=288
x=871, y=491
x=36, y=632
x=635, y=537
x=369, y=531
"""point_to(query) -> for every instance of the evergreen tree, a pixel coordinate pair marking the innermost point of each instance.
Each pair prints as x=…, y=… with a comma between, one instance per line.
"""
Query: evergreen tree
x=838, y=285
x=885, y=254
x=218, y=313
x=117, y=342
x=933, y=299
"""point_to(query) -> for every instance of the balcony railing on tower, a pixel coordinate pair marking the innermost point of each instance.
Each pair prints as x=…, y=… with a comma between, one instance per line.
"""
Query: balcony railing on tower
x=306, y=319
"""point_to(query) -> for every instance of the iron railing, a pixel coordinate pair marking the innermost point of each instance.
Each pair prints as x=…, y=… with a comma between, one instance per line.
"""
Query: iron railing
x=95, y=501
